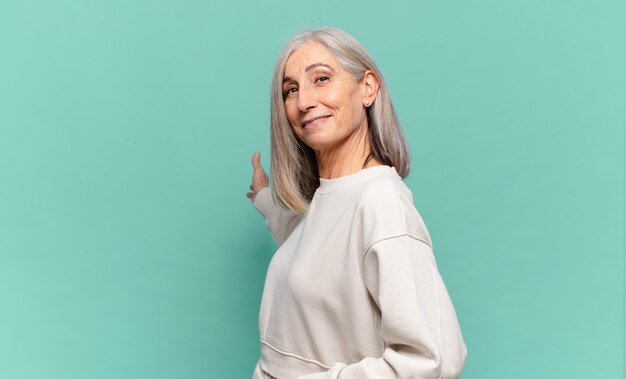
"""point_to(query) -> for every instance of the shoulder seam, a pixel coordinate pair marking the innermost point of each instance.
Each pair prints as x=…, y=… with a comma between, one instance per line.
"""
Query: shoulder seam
x=371, y=245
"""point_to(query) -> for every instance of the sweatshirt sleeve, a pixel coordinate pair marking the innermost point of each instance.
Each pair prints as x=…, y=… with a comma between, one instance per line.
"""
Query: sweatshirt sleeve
x=418, y=325
x=280, y=221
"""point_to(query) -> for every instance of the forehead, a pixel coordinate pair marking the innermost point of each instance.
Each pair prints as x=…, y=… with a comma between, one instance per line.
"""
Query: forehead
x=306, y=55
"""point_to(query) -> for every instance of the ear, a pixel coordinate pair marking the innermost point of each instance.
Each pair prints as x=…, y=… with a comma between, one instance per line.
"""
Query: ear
x=370, y=86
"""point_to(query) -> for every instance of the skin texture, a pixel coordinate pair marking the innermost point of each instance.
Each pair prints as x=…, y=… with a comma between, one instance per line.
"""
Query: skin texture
x=326, y=109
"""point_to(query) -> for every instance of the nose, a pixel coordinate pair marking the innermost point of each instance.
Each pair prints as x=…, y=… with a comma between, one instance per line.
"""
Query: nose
x=307, y=98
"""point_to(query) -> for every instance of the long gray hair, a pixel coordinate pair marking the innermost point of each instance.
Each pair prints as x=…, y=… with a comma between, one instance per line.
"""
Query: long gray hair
x=294, y=168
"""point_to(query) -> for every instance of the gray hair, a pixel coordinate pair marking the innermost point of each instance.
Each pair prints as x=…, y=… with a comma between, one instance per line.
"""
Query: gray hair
x=294, y=168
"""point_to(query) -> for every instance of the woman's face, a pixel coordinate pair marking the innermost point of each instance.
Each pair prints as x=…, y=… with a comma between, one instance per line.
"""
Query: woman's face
x=324, y=104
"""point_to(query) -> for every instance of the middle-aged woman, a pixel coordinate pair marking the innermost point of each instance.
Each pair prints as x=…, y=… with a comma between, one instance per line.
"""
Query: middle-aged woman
x=353, y=291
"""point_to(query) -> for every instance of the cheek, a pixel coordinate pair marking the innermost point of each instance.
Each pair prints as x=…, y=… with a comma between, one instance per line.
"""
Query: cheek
x=332, y=97
x=292, y=113
x=356, y=105
x=292, y=116
x=341, y=99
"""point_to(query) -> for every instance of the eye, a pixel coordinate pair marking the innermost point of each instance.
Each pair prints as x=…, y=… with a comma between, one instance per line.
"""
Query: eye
x=290, y=91
x=323, y=78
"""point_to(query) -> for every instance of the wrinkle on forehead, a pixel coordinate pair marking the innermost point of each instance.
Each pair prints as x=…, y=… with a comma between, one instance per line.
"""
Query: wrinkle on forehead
x=312, y=53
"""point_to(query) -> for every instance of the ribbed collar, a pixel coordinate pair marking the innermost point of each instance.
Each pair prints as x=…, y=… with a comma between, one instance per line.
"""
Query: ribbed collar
x=329, y=185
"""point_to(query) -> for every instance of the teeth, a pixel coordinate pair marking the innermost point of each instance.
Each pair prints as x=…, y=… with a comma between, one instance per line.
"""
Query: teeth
x=316, y=121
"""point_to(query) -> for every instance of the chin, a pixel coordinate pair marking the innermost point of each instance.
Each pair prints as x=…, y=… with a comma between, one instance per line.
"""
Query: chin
x=316, y=143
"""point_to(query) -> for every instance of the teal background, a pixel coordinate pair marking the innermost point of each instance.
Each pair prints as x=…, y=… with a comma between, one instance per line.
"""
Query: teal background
x=129, y=250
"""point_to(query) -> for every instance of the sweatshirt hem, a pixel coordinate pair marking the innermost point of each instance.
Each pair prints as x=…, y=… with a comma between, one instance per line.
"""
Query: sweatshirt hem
x=294, y=355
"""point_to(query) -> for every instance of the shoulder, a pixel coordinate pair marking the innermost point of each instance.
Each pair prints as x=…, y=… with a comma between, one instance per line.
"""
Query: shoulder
x=385, y=207
x=385, y=189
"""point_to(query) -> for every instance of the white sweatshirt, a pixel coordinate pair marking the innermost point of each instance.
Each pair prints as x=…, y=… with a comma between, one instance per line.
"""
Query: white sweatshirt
x=353, y=291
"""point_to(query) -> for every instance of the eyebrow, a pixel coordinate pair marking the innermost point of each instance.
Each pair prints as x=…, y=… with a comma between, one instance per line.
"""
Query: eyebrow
x=309, y=68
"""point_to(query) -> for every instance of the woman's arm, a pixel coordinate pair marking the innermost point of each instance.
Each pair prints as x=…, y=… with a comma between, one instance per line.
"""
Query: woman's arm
x=280, y=221
x=418, y=322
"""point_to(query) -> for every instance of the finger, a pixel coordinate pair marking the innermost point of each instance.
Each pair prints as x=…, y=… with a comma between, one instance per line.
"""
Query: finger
x=256, y=160
x=259, y=180
x=257, y=175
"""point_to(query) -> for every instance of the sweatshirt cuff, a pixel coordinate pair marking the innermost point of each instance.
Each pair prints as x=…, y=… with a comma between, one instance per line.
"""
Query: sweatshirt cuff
x=263, y=201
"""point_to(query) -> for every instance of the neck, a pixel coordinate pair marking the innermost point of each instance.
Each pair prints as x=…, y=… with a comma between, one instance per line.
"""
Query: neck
x=346, y=157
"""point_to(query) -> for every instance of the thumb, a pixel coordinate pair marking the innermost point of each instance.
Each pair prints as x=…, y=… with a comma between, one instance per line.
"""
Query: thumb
x=256, y=160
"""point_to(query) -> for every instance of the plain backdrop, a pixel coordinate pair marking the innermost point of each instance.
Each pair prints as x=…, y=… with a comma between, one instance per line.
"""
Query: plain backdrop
x=129, y=250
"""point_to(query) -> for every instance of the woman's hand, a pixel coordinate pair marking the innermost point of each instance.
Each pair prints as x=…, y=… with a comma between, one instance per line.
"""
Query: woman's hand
x=259, y=177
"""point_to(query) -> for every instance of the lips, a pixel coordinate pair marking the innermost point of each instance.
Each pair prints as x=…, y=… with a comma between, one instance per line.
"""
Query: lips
x=313, y=122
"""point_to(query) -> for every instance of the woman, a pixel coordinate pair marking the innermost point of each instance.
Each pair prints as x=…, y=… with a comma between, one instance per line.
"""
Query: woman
x=353, y=291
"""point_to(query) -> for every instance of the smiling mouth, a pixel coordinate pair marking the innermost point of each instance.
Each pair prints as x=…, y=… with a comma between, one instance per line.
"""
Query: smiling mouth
x=314, y=122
